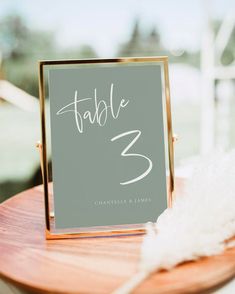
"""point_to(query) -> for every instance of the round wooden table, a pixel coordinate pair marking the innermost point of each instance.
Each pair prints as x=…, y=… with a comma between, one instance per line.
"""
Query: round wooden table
x=90, y=265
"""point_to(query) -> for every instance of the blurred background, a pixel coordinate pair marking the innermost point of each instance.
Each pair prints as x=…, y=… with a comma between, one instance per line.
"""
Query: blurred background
x=198, y=36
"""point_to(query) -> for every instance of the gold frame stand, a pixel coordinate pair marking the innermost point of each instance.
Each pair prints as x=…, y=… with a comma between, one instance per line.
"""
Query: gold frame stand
x=42, y=146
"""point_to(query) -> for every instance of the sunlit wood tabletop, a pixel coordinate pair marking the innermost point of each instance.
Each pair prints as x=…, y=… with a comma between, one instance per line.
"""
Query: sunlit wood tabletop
x=30, y=264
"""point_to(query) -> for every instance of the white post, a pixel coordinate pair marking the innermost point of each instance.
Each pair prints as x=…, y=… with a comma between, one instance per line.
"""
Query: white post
x=224, y=90
x=207, y=95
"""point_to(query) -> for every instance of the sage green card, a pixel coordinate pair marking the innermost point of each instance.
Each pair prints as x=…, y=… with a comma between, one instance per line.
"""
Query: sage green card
x=108, y=150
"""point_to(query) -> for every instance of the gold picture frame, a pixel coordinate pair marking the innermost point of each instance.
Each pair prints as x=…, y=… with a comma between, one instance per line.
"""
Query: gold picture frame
x=51, y=233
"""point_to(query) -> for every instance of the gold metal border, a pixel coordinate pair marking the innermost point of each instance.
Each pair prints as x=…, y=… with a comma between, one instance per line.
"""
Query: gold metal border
x=43, y=146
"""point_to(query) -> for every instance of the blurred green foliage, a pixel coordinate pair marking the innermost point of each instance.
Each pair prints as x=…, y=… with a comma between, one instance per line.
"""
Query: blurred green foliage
x=143, y=43
x=21, y=48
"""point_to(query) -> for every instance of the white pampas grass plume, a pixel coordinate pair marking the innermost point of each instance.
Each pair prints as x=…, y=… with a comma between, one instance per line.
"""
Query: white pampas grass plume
x=200, y=222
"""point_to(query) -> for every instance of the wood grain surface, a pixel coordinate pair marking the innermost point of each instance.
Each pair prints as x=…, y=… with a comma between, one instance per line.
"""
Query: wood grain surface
x=90, y=265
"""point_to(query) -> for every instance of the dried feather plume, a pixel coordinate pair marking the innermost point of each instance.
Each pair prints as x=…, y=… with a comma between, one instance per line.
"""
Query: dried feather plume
x=200, y=222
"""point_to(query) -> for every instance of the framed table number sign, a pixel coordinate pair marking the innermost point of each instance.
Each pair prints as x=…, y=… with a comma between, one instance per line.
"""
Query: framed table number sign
x=108, y=128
